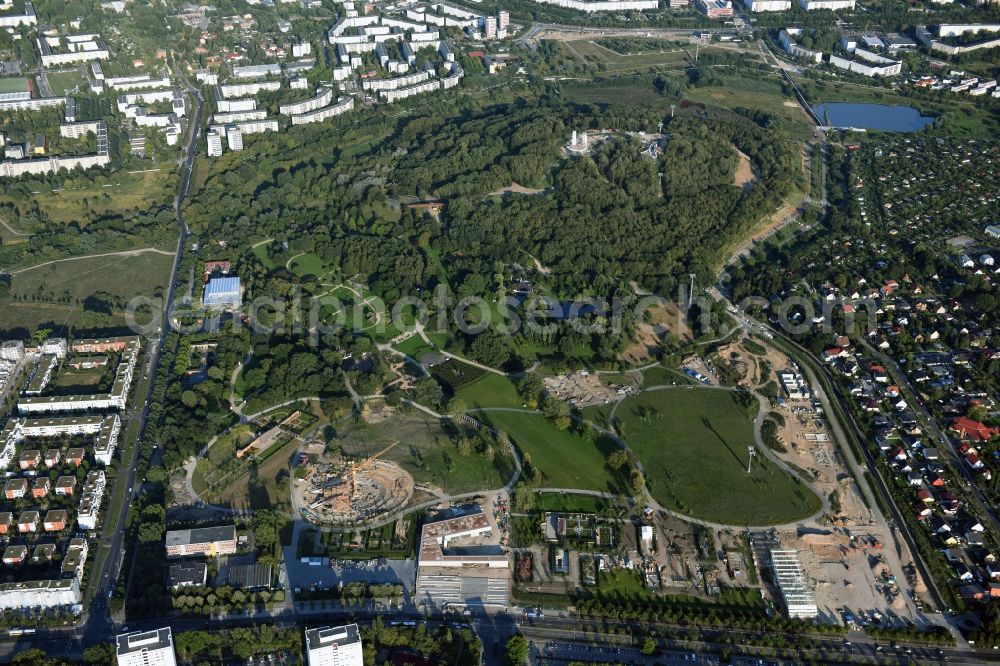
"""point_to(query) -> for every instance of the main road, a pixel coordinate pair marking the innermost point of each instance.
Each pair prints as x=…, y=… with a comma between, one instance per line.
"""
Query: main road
x=99, y=626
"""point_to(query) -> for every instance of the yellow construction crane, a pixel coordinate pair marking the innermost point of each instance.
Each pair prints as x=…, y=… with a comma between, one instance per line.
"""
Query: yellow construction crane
x=352, y=473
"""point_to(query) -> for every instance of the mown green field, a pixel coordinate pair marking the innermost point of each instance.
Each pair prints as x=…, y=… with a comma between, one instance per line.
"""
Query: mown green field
x=490, y=390
x=693, y=445
x=566, y=459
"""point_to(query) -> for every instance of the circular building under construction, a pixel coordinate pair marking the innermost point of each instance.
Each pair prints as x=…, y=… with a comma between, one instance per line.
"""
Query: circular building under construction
x=353, y=492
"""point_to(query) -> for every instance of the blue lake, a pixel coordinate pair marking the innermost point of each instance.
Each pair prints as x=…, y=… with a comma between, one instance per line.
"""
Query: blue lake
x=872, y=116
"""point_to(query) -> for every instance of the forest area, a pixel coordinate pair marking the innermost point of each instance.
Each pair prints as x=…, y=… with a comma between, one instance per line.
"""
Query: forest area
x=602, y=219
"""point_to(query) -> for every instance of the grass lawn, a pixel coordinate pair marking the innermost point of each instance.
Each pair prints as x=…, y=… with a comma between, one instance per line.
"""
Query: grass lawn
x=763, y=94
x=61, y=82
x=260, y=251
x=61, y=289
x=660, y=376
x=597, y=94
x=599, y=414
x=675, y=55
x=70, y=378
x=566, y=459
x=621, y=584
x=426, y=451
x=414, y=346
x=490, y=390
x=570, y=503
x=263, y=486
x=693, y=446
x=307, y=264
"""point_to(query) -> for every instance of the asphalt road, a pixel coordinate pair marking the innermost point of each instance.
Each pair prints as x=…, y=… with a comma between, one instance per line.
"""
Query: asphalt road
x=99, y=626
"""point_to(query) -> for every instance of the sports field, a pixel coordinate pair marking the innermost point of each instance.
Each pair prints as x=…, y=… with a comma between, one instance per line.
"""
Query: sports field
x=10, y=85
x=693, y=445
x=565, y=459
x=427, y=452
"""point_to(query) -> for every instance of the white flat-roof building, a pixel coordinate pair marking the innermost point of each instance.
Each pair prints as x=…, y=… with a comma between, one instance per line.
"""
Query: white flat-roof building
x=833, y=5
x=768, y=5
x=146, y=648
x=323, y=97
x=40, y=594
x=460, y=562
x=334, y=646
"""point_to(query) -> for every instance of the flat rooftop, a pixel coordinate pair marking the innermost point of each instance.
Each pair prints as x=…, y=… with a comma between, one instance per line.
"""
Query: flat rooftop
x=201, y=535
x=324, y=636
x=144, y=640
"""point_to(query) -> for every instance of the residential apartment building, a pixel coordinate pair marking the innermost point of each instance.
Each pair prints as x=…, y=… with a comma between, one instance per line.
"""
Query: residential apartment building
x=146, y=648
x=211, y=541
x=334, y=646
x=90, y=500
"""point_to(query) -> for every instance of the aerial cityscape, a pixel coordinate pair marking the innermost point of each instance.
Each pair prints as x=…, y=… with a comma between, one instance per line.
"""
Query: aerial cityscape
x=475, y=332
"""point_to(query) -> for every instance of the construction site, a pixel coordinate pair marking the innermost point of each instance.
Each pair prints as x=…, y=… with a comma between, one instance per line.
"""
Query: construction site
x=341, y=491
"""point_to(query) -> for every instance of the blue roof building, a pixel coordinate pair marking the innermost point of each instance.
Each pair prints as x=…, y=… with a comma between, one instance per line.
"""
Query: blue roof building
x=223, y=292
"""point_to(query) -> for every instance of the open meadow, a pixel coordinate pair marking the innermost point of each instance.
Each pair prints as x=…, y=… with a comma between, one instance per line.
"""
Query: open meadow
x=565, y=459
x=89, y=291
x=693, y=445
x=427, y=452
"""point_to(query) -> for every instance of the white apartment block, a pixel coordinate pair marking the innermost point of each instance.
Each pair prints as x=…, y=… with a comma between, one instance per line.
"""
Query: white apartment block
x=55, y=346
x=833, y=5
x=343, y=105
x=604, y=5
x=12, y=350
x=891, y=68
x=235, y=139
x=148, y=648
x=396, y=94
x=79, y=130
x=90, y=500
x=334, y=646
x=230, y=90
x=214, y=143
x=40, y=594
x=323, y=98
x=71, y=49
x=787, y=41
x=256, y=71
x=238, y=116
x=234, y=105
x=377, y=85
x=27, y=17
x=768, y=5
x=137, y=82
